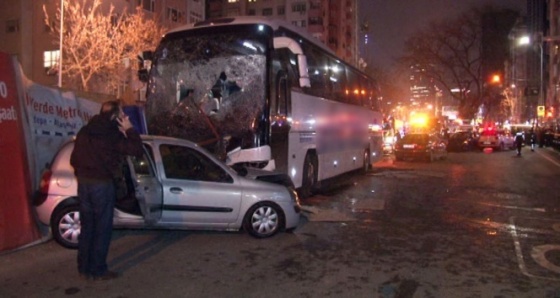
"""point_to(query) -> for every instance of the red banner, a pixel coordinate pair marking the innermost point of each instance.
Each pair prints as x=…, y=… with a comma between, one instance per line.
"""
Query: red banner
x=17, y=225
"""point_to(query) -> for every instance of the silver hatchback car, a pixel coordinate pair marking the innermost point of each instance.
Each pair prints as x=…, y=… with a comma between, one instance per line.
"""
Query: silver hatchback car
x=175, y=185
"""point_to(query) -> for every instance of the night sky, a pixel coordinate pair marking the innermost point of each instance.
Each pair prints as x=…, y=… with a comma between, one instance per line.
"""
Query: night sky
x=392, y=21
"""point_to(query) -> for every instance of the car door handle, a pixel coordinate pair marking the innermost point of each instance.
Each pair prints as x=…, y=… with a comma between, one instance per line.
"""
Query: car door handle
x=176, y=190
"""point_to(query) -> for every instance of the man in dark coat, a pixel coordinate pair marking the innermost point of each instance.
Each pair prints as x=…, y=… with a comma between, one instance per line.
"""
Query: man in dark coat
x=519, y=139
x=99, y=151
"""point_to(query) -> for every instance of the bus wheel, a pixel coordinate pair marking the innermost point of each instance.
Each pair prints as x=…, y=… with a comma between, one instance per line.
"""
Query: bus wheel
x=309, y=179
x=367, y=161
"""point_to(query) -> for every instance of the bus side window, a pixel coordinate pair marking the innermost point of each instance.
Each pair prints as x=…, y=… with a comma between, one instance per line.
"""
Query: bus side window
x=284, y=70
x=337, y=80
x=318, y=65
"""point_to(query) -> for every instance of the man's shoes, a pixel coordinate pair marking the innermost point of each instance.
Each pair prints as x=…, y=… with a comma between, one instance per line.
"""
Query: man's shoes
x=107, y=276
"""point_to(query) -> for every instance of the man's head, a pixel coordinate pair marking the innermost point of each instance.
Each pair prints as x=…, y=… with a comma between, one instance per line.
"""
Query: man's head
x=111, y=109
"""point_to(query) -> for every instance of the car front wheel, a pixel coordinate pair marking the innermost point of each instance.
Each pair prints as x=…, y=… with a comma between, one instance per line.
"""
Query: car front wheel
x=263, y=220
x=65, y=226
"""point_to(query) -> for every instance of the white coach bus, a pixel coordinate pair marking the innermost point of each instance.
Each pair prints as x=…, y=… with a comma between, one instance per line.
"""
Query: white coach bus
x=261, y=93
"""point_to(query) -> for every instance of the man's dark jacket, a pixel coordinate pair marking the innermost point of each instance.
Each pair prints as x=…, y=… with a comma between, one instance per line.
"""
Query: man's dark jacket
x=100, y=147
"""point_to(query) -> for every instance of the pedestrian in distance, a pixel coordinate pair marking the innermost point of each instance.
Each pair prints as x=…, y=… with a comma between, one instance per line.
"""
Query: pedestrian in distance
x=99, y=152
x=519, y=139
x=533, y=139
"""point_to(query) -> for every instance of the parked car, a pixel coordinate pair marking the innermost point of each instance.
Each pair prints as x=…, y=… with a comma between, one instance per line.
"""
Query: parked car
x=496, y=139
x=423, y=146
x=175, y=185
x=461, y=141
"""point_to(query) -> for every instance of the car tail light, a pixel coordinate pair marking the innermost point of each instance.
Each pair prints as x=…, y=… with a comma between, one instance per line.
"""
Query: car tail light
x=418, y=146
x=45, y=181
x=41, y=194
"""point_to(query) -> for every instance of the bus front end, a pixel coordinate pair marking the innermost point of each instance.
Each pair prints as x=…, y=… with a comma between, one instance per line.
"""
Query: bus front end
x=208, y=85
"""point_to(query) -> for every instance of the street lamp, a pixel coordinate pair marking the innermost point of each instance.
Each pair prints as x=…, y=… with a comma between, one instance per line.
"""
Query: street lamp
x=526, y=40
x=60, y=44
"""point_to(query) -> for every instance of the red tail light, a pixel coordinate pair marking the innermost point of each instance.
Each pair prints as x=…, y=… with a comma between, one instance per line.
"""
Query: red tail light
x=418, y=146
x=45, y=181
x=41, y=194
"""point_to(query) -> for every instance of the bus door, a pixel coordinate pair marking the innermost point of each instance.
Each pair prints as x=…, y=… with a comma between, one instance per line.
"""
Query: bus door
x=282, y=75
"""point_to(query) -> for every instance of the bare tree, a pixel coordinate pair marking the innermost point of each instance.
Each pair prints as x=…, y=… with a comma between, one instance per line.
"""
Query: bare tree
x=449, y=52
x=100, y=47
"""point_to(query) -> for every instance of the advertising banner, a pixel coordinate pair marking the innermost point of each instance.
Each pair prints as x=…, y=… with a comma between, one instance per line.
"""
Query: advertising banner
x=35, y=120
x=53, y=118
x=17, y=224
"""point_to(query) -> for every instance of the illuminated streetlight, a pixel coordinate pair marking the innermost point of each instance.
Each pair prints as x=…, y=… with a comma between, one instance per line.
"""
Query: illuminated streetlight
x=526, y=40
x=496, y=79
x=60, y=44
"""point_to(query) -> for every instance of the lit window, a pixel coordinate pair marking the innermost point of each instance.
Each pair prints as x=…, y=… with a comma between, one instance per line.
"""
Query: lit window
x=232, y=1
x=50, y=61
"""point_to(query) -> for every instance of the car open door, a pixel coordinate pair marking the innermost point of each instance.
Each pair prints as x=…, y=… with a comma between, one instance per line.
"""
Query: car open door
x=147, y=187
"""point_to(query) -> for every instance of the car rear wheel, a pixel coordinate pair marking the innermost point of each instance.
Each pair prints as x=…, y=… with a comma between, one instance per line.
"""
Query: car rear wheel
x=65, y=226
x=263, y=220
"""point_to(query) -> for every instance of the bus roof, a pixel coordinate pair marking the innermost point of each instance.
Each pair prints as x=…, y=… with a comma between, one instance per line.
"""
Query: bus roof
x=242, y=20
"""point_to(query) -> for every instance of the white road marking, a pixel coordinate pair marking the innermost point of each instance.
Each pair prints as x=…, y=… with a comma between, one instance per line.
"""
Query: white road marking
x=519, y=252
x=549, y=159
x=539, y=255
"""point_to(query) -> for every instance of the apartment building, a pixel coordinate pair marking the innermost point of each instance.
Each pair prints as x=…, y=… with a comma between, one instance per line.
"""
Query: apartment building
x=26, y=36
x=553, y=49
x=334, y=22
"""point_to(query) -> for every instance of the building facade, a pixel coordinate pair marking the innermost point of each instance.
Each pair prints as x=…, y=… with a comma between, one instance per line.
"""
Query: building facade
x=517, y=81
x=26, y=35
x=552, y=48
x=334, y=22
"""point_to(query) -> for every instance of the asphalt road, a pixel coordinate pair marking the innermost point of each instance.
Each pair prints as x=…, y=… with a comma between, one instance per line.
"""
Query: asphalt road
x=474, y=225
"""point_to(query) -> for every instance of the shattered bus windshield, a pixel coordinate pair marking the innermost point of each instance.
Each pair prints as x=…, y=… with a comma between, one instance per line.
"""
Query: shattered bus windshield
x=208, y=86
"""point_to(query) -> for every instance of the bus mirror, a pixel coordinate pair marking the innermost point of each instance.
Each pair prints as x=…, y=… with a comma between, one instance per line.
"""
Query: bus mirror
x=147, y=55
x=143, y=75
x=144, y=64
x=303, y=75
